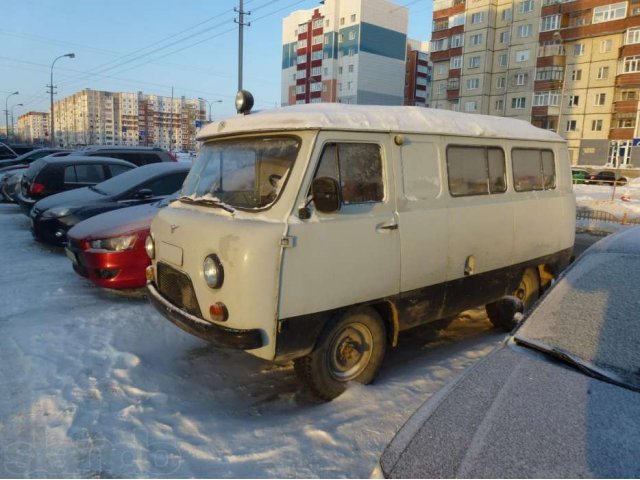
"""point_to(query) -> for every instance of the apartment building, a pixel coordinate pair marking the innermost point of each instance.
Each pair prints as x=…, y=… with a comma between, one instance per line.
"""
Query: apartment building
x=347, y=51
x=417, y=87
x=568, y=66
x=92, y=117
x=33, y=127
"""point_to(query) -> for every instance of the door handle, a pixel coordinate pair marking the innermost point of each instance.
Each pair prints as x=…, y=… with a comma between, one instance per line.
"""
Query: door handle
x=386, y=227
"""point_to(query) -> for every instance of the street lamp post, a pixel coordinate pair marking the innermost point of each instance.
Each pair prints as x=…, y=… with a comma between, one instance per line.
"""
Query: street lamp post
x=13, y=130
x=6, y=111
x=52, y=133
x=213, y=101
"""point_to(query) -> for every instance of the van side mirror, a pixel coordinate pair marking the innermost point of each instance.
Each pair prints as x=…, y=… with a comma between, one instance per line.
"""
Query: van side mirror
x=143, y=193
x=325, y=192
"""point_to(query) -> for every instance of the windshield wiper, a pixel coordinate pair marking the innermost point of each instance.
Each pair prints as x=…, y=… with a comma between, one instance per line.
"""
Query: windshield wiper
x=207, y=201
x=96, y=189
x=578, y=363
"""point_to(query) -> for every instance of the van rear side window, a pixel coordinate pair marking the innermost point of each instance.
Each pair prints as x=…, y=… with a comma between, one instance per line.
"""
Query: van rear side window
x=358, y=169
x=475, y=170
x=533, y=169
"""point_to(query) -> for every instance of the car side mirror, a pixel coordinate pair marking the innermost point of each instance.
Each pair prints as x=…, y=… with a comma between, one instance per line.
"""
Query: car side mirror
x=325, y=192
x=143, y=193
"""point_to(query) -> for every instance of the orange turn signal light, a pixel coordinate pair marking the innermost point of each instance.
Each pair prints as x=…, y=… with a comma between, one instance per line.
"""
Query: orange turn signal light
x=219, y=312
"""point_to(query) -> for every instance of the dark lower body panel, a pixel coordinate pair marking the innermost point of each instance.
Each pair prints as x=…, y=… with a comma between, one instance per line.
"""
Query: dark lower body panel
x=297, y=335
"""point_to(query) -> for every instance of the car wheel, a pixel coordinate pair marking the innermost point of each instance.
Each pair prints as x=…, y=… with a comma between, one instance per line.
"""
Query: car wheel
x=350, y=348
x=527, y=292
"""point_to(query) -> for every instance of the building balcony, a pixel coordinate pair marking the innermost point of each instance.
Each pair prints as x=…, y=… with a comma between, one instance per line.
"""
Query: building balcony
x=628, y=79
x=453, y=94
x=621, y=133
x=551, y=50
x=625, y=106
x=545, y=85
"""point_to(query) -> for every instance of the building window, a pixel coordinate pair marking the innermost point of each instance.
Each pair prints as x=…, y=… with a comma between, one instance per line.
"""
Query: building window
x=339, y=70
x=455, y=62
x=457, y=40
x=473, y=83
x=578, y=49
x=499, y=105
x=504, y=36
x=341, y=37
x=502, y=60
x=500, y=82
x=317, y=40
x=341, y=20
x=350, y=68
x=439, y=45
x=302, y=28
x=300, y=89
x=315, y=87
x=600, y=99
x=572, y=126
x=477, y=17
x=522, y=55
x=352, y=35
x=549, y=73
x=629, y=95
x=542, y=99
x=474, y=62
x=316, y=71
x=524, y=31
x=603, y=72
x=596, y=125
x=441, y=69
x=551, y=22
x=605, y=46
x=631, y=64
x=456, y=20
x=470, y=106
x=352, y=51
x=476, y=39
x=632, y=36
x=521, y=79
x=317, y=23
x=526, y=6
x=574, y=100
x=519, y=103
x=302, y=44
x=607, y=13
x=317, y=55
x=626, y=122
x=301, y=59
x=505, y=15
x=353, y=18
x=576, y=75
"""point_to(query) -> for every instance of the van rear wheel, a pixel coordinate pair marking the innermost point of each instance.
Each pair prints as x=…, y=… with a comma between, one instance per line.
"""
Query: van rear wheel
x=350, y=348
x=528, y=292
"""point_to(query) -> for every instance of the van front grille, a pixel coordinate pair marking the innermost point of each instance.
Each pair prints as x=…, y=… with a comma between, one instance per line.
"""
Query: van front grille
x=176, y=287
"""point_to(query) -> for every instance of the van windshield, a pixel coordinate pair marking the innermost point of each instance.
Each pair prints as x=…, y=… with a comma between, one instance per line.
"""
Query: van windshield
x=245, y=173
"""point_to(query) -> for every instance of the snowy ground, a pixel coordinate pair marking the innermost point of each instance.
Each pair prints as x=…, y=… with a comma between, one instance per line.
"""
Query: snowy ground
x=93, y=384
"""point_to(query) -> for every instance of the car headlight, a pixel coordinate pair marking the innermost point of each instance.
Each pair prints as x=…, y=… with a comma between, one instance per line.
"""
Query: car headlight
x=57, y=212
x=150, y=247
x=213, y=271
x=115, y=244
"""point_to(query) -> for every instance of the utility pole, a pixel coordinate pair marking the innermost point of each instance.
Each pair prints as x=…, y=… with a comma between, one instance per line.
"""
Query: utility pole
x=171, y=124
x=241, y=25
x=52, y=91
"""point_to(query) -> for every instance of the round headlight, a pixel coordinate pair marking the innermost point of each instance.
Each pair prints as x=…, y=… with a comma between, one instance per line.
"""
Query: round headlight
x=150, y=247
x=213, y=272
x=244, y=102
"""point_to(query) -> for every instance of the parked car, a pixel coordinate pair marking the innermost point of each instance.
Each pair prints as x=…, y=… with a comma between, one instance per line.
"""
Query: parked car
x=49, y=176
x=6, y=152
x=560, y=398
x=109, y=250
x=52, y=217
x=351, y=223
x=606, y=177
x=579, y=176
x=136, y=155
x=30, y=157
x=21, y=148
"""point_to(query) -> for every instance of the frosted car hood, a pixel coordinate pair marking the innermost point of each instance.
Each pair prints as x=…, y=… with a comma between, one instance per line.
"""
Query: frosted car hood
x=115, y=223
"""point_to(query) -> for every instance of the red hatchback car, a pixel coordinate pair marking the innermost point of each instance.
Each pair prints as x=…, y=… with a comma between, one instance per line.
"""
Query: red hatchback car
x=108, y=249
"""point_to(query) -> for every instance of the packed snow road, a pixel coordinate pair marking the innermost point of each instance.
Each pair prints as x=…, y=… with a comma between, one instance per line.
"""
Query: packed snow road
x=95, y=384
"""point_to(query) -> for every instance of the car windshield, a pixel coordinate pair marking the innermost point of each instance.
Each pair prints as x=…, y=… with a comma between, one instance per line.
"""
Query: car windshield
x=245, y=173
x=591, y=317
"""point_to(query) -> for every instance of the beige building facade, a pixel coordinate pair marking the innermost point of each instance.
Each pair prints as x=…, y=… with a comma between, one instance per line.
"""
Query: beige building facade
x=92, y=117
x=33, y=127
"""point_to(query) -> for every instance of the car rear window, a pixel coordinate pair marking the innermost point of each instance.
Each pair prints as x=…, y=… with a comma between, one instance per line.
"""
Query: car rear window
x=35, y=168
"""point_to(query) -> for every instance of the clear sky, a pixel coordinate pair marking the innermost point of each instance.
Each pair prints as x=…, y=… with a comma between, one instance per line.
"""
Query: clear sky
x=150, y=46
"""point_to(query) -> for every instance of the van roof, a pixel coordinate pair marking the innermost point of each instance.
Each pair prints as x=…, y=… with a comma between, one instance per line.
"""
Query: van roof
x=334, y=116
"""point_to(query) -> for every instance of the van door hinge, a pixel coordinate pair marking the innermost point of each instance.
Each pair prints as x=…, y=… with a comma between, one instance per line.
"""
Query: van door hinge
x=288, y=242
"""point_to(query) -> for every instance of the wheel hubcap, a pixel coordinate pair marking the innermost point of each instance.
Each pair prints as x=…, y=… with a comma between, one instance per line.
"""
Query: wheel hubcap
x=350, y=352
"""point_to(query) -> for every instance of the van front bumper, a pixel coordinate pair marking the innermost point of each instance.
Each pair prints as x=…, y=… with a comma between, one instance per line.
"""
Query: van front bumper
x=228, y=337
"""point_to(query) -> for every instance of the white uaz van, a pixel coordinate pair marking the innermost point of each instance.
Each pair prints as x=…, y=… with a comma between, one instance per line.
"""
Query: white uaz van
x=319, y=232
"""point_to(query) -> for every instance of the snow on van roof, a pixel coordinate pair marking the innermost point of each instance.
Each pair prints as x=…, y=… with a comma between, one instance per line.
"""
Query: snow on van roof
x=336, y=116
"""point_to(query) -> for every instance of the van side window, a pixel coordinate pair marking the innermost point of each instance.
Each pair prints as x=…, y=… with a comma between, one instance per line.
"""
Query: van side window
x=420, y=171
x=533, y=169
x=358, y=169
x=476, y=170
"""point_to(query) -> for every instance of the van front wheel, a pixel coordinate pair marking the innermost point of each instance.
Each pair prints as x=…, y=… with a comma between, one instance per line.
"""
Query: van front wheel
x=528, y=292
x=350, y=348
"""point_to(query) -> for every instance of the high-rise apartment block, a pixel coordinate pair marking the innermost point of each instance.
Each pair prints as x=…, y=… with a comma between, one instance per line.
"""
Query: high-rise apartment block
x=349, y=51
x=92, y=117
x=33, y=127
x=417, y=87
x=568, y=66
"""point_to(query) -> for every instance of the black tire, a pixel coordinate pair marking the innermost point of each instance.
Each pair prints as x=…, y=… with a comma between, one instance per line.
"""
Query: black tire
x=350, y=348
x=528, y=292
